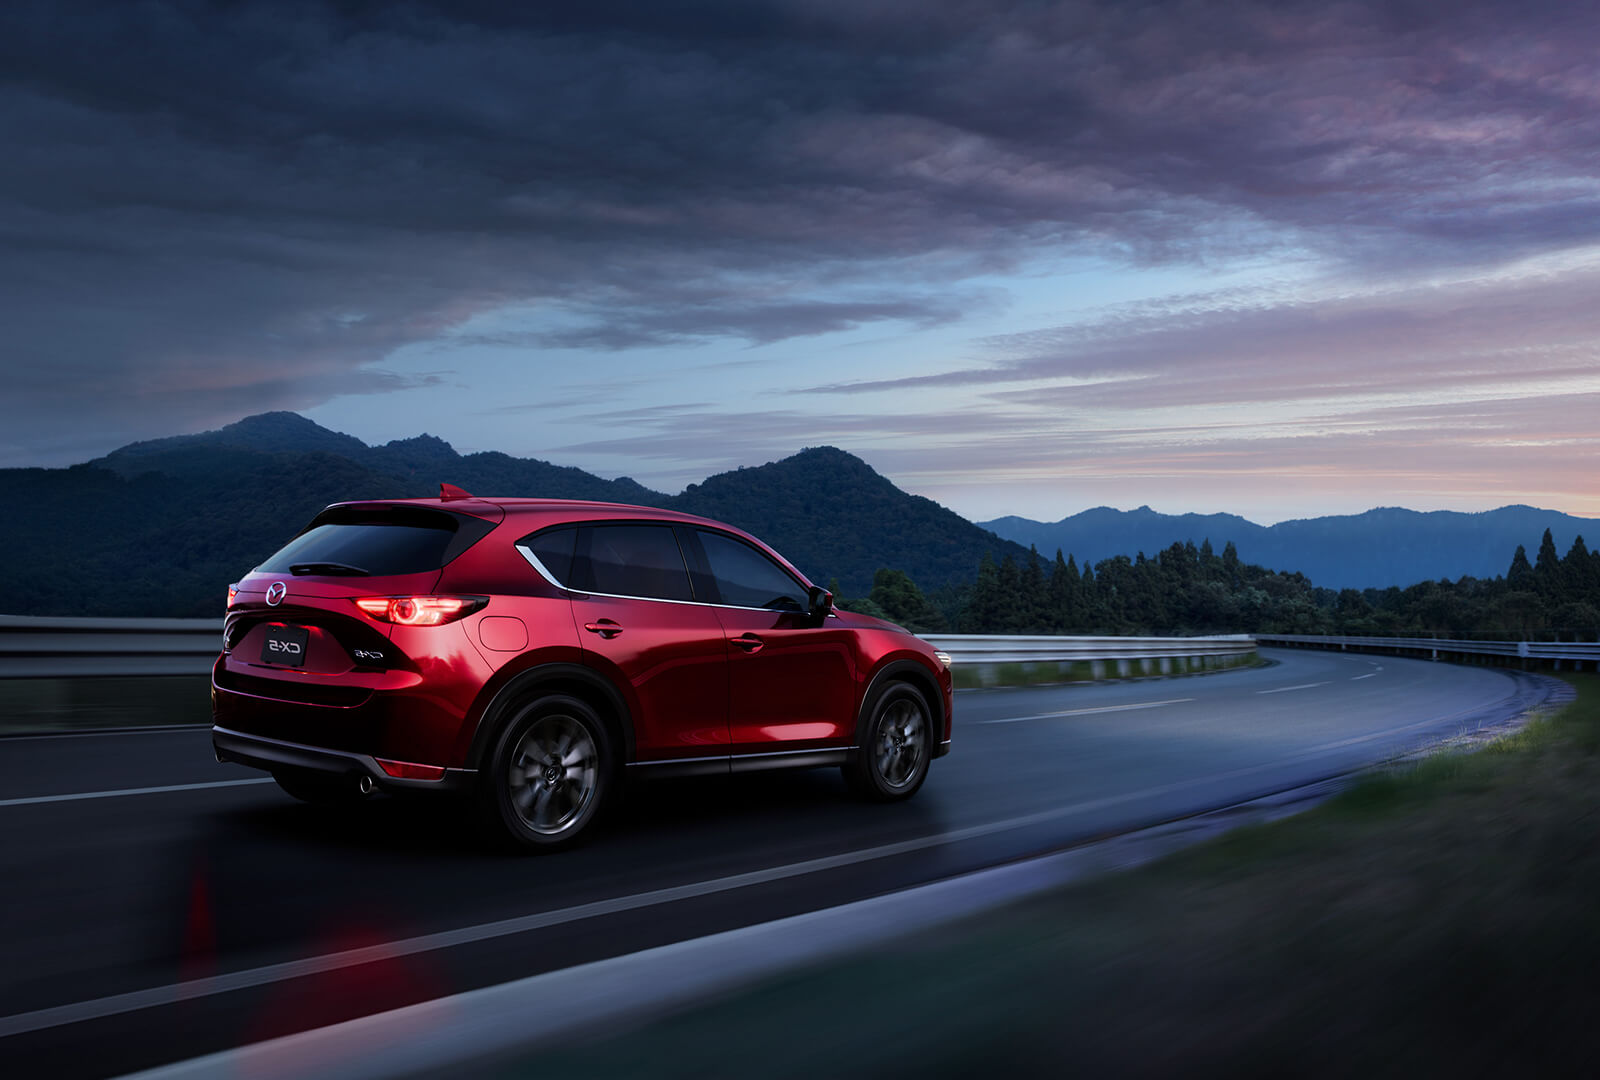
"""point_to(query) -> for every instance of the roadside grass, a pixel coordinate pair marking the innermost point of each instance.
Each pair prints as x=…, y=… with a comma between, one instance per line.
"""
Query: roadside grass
x=1441, y=917
x=44, y=706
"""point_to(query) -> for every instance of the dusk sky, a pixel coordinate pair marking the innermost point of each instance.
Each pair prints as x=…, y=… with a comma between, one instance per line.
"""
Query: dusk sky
x=1281, y=260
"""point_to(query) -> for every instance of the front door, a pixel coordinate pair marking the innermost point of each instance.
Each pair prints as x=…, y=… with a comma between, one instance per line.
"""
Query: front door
x=790, y=683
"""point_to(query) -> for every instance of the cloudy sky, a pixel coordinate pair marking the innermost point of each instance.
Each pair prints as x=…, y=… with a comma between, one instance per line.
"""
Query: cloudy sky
x=1281, y=259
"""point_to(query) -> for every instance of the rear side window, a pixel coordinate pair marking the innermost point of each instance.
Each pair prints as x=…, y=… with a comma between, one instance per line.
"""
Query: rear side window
x=377, y=543
x=747, y=578
x=553, y=549
x=630, y=560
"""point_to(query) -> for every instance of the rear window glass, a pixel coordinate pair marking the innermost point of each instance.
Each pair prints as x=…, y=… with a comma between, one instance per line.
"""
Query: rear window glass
x=631, y=560
x=377, y=543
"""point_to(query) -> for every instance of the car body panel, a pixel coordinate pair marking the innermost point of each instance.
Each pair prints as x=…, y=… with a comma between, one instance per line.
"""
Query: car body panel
x=675, y=680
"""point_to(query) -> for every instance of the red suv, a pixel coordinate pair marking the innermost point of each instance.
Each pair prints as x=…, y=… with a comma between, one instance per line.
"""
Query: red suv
x=532, y=652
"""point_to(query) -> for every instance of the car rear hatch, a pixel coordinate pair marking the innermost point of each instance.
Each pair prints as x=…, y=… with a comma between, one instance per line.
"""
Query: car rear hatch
x=294, y=628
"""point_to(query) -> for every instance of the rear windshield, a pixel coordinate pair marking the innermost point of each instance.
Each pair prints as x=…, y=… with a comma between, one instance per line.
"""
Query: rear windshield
x=377, y=543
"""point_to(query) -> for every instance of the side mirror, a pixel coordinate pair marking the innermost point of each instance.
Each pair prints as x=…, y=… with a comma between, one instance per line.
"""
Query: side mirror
x=819, y=602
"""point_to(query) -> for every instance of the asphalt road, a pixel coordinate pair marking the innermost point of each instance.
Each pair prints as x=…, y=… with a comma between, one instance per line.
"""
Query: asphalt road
x=140, y=927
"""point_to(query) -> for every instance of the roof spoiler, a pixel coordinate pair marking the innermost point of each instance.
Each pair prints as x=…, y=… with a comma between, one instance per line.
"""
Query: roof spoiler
x=450, y=493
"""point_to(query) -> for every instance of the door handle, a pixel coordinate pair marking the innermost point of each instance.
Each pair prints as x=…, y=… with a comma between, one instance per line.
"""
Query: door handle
x=749, y=643
x=604, y=627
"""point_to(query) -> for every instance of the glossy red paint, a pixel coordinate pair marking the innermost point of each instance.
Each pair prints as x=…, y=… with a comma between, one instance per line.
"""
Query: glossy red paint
x=677, y=680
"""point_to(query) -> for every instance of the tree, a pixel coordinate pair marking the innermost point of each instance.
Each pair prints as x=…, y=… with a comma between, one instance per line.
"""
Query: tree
x=1033, y=610
x=1063, y=594
x=982, y=613
x=1520, y=576
x=1547, y=566
x=901, y=601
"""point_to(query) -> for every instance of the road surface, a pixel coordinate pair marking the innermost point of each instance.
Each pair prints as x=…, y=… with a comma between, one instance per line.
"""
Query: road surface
x=158, y=905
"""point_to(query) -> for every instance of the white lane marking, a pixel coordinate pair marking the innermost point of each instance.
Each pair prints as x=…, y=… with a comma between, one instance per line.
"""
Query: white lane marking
x=116, y=1004
x=31, y=800
x=1368, y=675
x=1286, y=689
x=1086, y=712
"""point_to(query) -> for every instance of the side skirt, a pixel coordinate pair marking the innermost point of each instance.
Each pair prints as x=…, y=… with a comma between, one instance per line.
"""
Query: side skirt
x=739, y=763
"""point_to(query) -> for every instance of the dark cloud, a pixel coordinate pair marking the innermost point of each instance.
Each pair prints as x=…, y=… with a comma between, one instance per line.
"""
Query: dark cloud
x=215, y=208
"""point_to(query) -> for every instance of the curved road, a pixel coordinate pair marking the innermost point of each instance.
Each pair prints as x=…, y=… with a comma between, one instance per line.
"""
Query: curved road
x=142, y=927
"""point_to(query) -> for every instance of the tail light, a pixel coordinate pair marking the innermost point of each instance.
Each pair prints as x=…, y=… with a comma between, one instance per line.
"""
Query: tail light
x=233, y=591
x=420, y=610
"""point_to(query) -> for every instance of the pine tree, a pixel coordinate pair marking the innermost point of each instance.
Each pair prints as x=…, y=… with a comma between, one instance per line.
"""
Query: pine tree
x=1547, y=566
x=982, y=613
x=1033, y=612
x=1520, y=576
x=1009, y=578
x=1063, y=593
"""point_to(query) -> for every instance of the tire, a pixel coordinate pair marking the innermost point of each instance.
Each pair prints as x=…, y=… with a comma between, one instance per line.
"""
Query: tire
x=319, y=788
x=896, y=746
x=548, y=775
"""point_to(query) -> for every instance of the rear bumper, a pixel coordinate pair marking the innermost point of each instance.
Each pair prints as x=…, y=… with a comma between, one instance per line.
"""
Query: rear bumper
x=259, y=752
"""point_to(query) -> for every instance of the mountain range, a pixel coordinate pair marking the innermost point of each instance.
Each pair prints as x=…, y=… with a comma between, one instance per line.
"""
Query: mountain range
x=1382, y=547
x=161, y=527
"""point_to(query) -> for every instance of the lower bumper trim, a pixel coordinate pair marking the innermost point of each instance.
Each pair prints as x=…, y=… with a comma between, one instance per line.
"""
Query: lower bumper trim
x=259, y=752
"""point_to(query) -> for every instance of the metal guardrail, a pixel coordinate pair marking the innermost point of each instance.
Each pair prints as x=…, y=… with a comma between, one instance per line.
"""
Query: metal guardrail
x=1576, y=652
x=49, y=647
x=998, y=649
x=54, y=647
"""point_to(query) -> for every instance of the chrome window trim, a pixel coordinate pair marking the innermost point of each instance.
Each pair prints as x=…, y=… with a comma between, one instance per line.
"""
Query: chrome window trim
x=533, y=560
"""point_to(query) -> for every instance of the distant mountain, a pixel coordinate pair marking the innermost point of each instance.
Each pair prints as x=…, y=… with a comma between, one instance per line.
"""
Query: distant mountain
x=833, y=516
x=1376, y=549
x=161, y=527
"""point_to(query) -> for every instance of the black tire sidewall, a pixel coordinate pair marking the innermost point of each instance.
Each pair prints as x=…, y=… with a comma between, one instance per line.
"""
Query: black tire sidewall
x=864, y=775
x=495, y=793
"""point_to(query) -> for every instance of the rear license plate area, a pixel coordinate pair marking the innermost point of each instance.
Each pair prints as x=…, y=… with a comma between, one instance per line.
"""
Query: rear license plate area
x=285, y=646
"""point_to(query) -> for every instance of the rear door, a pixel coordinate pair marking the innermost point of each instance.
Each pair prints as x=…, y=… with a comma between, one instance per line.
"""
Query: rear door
x=790, y=682
x=642, y=626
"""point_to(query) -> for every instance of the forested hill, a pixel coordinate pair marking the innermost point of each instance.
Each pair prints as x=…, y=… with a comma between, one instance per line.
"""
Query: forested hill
x=1374, y=550
x=162, y=527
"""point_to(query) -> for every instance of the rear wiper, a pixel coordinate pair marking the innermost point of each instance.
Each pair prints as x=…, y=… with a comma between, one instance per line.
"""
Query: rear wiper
x=328, y=568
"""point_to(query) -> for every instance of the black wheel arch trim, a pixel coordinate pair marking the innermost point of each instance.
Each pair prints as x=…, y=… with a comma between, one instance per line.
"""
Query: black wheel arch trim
x=518, y=685
x=903, y=670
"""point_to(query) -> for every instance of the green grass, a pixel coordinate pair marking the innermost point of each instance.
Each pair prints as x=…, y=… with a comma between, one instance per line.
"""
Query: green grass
x=1441, y=918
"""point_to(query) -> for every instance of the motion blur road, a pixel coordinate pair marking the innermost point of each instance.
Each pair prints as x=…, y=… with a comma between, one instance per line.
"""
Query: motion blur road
x=146, y=926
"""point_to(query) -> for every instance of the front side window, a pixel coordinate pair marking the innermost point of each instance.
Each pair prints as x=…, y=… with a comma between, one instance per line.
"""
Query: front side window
x=746, y=578
x=630, y=560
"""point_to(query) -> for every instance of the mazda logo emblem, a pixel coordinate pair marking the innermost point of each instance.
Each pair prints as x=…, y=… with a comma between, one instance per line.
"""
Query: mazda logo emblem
x=276, y=592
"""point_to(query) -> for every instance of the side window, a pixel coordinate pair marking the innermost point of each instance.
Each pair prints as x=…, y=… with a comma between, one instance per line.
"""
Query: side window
x=747, y=578
x=553, y=549
x=631, y=560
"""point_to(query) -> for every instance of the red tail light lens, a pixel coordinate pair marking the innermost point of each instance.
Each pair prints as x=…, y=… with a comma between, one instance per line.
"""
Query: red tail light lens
x=420, y=610
x=233, y=591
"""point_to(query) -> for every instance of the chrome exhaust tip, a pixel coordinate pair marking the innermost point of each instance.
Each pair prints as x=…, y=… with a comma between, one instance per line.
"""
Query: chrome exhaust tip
x=365, y=785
